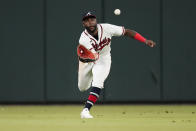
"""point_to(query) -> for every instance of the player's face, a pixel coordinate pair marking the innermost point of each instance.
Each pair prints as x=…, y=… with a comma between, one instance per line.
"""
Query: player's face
x=90, y=24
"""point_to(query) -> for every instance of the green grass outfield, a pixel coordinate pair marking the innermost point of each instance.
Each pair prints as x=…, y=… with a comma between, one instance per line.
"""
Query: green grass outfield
x=107, y=118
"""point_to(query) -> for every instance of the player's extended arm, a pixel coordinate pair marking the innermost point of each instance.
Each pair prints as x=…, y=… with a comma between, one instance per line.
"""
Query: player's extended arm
x=137, y=36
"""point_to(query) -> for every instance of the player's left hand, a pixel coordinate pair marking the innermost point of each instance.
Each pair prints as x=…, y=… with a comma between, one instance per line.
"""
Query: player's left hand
x=150, y=43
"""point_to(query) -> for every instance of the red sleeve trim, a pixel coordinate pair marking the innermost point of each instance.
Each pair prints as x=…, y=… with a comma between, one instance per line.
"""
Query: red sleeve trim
x=123, y=30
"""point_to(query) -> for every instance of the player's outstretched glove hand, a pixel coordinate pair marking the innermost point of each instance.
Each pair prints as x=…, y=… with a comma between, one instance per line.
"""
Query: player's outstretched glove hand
x=85, y=55
x=150, y=43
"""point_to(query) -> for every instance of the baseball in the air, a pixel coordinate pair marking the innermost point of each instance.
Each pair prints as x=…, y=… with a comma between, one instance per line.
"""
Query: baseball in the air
x=117, y=11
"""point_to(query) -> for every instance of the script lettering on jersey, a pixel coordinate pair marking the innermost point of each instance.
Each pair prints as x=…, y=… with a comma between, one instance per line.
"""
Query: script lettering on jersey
x=102, y=44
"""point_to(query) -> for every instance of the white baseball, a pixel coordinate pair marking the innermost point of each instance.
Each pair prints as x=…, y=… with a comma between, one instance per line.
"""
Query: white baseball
x=117, y=11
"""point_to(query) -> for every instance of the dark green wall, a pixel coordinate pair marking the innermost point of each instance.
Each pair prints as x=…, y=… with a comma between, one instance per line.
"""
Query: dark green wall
x=179, y=50
x=21, y=50
x=38, y=40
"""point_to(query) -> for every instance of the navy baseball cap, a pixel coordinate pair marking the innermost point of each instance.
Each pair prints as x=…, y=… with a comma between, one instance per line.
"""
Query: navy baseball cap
x=88, y=14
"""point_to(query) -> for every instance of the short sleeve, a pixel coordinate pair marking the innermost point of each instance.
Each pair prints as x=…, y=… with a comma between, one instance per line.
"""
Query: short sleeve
x=115, y=30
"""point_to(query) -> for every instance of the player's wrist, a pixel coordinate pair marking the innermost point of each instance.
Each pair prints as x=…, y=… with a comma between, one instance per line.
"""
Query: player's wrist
x=146, y=42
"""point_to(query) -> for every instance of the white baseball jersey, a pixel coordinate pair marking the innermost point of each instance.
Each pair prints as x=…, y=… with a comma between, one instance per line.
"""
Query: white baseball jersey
x=105, y=33
x=97, y=72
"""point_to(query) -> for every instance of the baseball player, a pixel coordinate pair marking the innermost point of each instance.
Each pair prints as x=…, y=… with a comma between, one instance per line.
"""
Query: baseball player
x=96, y=39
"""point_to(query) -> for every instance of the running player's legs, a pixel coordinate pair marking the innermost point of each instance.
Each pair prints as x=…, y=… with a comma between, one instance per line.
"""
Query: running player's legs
x=100, y=72
x=85, y=76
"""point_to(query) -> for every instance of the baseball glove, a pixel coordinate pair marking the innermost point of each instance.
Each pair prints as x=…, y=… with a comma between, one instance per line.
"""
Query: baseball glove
x=85, y=55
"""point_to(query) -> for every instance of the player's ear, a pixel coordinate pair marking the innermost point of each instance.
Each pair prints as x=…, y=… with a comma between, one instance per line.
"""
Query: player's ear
x=83, y=23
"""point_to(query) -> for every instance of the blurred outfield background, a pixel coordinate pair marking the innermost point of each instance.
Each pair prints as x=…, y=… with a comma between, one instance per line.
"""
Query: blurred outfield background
x=38, y=40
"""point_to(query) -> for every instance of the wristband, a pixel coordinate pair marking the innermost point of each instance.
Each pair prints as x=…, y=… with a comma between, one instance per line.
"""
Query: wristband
x=139, y=38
